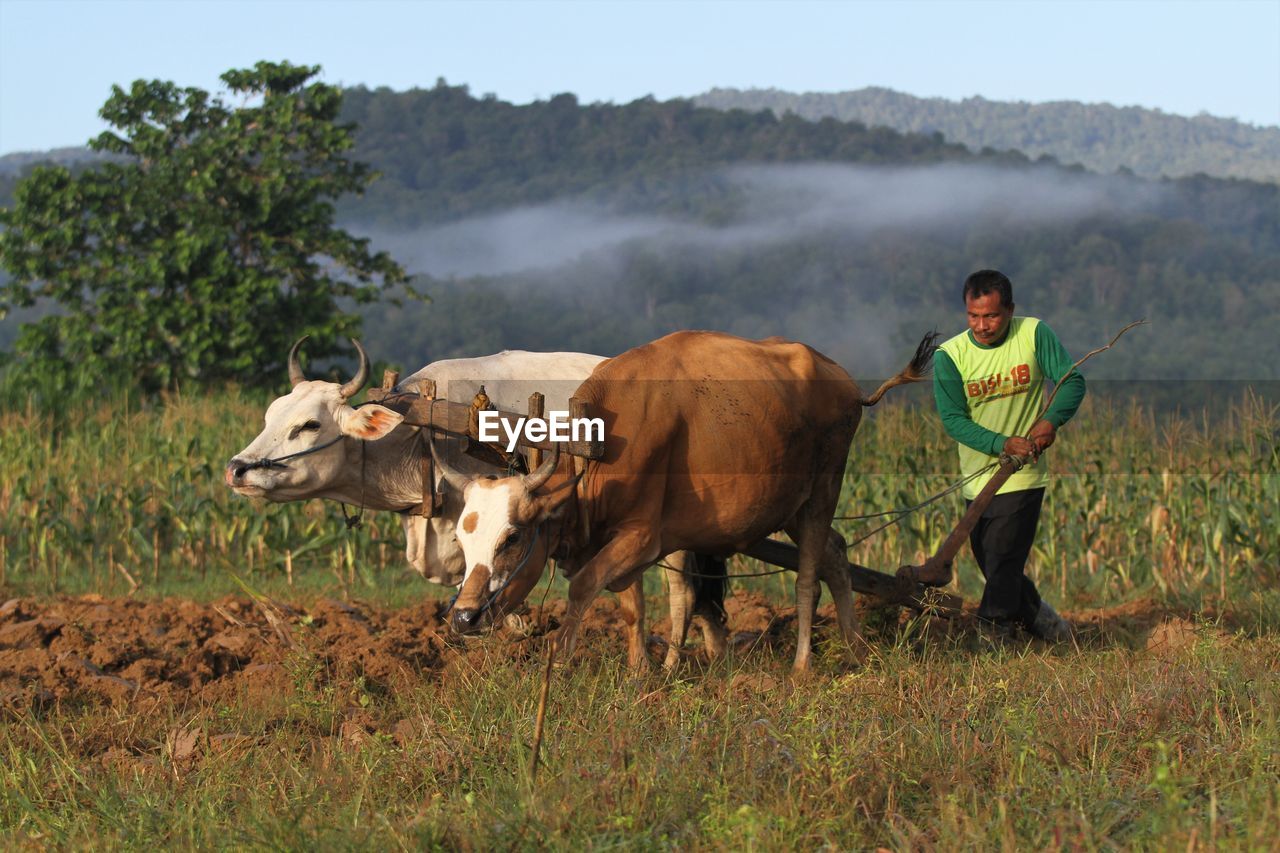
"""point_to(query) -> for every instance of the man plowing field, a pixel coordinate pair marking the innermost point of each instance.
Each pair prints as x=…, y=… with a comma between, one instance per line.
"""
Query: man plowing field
x=988, y=384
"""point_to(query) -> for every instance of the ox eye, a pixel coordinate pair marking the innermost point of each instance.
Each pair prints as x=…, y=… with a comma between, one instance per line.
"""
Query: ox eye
x=309, y=425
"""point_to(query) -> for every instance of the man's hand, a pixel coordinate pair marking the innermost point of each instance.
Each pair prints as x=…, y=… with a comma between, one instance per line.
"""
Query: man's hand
x=1043, y=433
x=1016, y=445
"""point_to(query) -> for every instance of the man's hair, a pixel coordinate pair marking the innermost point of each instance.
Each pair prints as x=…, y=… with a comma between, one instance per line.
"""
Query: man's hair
x=989, y=281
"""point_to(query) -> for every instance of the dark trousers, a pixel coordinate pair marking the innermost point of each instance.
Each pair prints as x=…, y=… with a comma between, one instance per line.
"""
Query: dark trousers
x=1001, y=542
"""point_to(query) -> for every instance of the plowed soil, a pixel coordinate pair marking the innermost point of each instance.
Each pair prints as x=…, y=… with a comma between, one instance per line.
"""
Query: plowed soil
x=97, y=650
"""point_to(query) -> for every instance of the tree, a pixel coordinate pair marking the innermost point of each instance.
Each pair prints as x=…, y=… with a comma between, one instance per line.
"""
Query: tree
x=202, y=248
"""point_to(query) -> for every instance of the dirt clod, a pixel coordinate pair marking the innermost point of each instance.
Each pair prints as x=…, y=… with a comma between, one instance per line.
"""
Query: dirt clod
x=1172, y=635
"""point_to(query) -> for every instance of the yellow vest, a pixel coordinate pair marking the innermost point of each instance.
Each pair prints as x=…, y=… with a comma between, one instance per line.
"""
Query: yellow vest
x=1004, y=389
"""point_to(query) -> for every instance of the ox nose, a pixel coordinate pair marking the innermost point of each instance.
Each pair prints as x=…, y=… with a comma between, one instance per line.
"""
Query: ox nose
x=466, y=621
x=236, y=469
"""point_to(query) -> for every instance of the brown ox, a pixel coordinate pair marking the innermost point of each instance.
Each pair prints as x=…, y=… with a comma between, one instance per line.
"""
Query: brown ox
x=712, y=443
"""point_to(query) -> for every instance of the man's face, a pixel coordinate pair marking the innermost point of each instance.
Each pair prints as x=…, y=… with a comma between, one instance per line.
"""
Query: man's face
x=988, y=319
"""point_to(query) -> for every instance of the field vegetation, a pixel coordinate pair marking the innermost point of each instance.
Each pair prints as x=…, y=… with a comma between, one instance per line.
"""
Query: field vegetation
x=1157, y=728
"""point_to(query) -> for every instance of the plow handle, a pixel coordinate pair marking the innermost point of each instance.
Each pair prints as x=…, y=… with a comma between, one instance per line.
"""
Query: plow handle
x=936, y=570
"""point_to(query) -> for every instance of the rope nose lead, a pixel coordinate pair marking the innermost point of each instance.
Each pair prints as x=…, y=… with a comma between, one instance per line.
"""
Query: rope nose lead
x=278, y=462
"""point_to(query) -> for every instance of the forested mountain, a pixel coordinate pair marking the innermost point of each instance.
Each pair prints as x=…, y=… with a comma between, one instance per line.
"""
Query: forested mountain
x=597, y=227
x=1101, y=137
x=445, y=155
x=557, y=225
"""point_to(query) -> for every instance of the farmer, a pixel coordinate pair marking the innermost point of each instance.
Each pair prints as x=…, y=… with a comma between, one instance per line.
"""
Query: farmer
x=989, y=385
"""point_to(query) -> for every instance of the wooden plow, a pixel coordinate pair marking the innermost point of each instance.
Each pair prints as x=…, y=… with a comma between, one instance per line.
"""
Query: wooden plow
x=911, y=586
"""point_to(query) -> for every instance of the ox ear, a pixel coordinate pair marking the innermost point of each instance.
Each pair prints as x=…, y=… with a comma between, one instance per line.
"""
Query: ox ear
x=551, y=504
x=370, y=422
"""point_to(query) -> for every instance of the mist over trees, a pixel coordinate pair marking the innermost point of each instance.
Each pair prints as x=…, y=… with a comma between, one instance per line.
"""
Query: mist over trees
x=557, y=225
x=1101, y=137
x=563, y=226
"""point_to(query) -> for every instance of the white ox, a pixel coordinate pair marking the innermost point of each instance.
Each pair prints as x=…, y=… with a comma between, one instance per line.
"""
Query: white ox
x=315, y=420
x=317, y=436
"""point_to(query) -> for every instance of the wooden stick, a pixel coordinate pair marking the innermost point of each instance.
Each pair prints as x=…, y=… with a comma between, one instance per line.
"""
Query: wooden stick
x=134, y=586
x=51, y=561
x=1087, y=356
x=537, y=409
x=937, y=570
x=542, y=710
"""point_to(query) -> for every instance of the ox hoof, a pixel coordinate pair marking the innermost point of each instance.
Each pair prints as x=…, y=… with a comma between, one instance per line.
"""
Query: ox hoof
x=563, y=643
x=715, y=637
x=519, y=625
x=855, y=652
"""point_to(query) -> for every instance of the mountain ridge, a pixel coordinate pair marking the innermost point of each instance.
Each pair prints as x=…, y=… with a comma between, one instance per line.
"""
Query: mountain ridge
x=1100, y=136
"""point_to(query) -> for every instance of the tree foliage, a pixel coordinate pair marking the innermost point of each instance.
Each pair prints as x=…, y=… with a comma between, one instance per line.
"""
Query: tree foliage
x=203, y=247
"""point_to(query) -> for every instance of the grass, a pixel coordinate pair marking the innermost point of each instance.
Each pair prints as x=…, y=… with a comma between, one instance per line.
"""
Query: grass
x=936, y=743
x=932, y=744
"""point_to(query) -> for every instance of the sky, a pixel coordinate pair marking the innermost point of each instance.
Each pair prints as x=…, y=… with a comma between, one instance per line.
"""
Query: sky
x=59, y=58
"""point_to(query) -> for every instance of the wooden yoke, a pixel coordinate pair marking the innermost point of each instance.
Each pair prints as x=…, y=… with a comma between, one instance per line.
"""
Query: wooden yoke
x=461, y=420
x=537, y=409
x=432, y=501
x=587, y=448
x=421, y=409
x=582, y=451
x=479, y=403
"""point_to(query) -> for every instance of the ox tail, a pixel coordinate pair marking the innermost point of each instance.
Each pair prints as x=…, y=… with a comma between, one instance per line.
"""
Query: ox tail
x=920, y=367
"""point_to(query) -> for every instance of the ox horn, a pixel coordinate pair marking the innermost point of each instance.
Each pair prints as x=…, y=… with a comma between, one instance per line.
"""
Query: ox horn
x=353, y=386
x=452, y=475
x=295, y=369
x=544, y=471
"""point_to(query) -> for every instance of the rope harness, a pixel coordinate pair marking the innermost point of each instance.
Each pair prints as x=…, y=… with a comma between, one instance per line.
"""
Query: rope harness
x=278, y=462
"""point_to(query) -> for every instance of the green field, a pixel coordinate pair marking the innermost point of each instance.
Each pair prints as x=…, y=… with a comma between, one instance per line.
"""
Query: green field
x=1161, y=728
